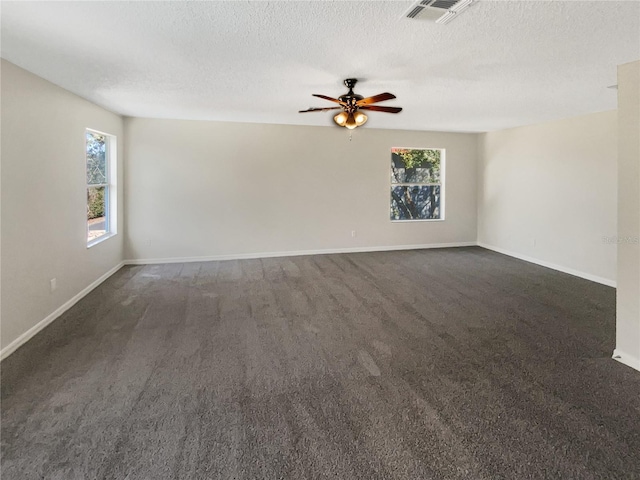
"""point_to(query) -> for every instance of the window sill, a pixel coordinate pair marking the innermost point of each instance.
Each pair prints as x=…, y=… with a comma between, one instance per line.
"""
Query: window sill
x=419, y=220
x=101, y=239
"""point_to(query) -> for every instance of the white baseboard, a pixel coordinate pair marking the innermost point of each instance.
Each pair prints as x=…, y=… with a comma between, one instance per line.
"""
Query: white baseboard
x=26, y=336
x=295, y=253
x=628, y=360
x=554, y=266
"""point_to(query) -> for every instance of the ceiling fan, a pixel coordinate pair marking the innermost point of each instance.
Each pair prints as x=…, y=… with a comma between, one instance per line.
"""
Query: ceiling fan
x=351, y=104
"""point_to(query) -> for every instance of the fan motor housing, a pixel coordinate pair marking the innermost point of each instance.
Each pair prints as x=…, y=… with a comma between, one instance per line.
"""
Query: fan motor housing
x=350, y=98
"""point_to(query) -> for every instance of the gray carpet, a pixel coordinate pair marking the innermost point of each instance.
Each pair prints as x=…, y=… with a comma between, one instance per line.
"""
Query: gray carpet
x=436, y=364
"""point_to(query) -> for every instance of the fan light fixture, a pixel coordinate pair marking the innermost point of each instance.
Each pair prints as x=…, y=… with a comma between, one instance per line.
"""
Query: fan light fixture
x=341, y=118
x=350, y=120
x=351, y=105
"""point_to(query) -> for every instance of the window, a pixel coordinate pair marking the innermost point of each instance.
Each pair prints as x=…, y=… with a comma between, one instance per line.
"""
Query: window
x=417, y=185
x=101, y=194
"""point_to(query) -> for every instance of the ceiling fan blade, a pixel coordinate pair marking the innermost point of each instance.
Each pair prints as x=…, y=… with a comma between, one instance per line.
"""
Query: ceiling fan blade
x=328, y=98
x=381, y=97
x=377, y=108
x=319, y=109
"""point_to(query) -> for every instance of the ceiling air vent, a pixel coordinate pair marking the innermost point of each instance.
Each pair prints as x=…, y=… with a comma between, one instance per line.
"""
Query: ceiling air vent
x=439, y=11
x=446, y=4
x=414, y=11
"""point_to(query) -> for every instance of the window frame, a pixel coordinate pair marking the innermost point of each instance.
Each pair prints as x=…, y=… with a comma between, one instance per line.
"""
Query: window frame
x=111, y=206
x=443, y=164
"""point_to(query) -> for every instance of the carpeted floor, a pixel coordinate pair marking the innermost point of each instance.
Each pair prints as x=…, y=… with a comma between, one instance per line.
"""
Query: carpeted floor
x=433, y=364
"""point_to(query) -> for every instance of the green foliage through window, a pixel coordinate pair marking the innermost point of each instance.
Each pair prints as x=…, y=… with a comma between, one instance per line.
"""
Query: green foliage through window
x=97, y=165
x=95, y=202
x=96, y=159
x=416, y=184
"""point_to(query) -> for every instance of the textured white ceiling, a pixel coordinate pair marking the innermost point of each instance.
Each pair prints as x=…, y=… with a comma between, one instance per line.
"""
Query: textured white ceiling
x=500, y=64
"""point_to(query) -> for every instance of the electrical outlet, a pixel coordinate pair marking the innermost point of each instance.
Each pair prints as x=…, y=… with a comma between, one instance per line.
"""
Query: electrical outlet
x=533, y=242
x=53, y=285
x=353, y=233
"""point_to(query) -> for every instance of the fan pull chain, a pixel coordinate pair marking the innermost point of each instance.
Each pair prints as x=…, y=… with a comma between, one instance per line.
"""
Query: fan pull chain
x=350, y=136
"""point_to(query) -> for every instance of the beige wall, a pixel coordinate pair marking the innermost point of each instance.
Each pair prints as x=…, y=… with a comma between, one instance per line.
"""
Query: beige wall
x=44, y=200
x=547, y=193
x=209, y=189
x=628, y=298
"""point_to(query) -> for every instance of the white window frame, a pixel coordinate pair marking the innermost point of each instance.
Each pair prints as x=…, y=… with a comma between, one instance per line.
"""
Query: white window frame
x=443, y=163
x=111, y=215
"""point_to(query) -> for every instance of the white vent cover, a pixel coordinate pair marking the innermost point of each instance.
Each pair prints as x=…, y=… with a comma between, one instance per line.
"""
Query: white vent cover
x=439, y=11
